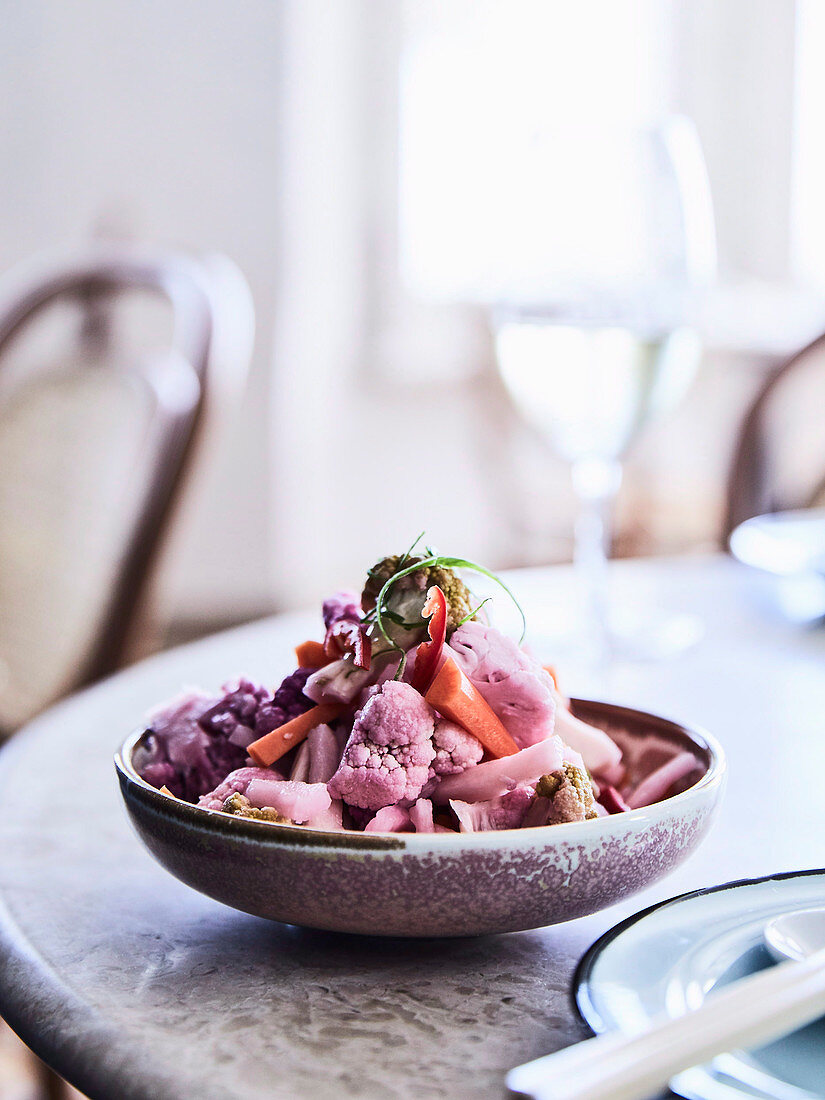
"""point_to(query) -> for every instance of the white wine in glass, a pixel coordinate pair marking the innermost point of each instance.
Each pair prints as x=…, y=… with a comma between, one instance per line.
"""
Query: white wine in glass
x=592, y=346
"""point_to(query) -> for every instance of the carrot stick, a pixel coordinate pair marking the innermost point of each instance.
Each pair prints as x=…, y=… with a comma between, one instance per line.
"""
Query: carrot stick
x=551, y=672
x=453, y=695
x=272, y=746
x=311, y=655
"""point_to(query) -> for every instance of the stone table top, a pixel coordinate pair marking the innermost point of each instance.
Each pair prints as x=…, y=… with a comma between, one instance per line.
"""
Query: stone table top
x=133, y=986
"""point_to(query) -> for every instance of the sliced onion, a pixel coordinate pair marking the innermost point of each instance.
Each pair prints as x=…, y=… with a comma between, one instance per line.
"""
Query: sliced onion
x=495, y=777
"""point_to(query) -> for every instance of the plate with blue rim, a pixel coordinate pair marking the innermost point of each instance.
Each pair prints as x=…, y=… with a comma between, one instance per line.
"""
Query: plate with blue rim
x=791, y=545
x=670, y=956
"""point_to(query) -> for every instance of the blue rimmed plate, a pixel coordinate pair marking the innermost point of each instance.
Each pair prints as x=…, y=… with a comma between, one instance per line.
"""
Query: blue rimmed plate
x=790, y=545
x=667, y=959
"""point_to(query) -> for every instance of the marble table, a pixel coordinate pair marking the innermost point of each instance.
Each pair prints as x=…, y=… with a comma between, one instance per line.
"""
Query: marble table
x=133, y=986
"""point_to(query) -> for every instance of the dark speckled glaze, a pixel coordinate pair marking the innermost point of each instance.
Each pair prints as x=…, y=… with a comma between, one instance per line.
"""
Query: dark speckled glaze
x=432, y=884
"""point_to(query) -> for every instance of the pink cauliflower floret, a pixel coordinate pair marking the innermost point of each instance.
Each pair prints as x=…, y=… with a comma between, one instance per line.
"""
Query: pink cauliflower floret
x=236, y=782
x=507, y=811
x=389, y=752
x=514, y=684
x=455, y=749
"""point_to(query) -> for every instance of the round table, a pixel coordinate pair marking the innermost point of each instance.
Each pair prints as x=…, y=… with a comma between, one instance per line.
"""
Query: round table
x=133, y=986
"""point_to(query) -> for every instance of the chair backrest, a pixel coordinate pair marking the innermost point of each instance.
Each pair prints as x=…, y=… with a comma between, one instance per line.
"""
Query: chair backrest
x=779, y=458
x=94, y=446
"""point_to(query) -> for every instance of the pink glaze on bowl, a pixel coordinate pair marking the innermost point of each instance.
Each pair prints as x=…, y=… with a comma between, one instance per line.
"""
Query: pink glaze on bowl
x=409, y=884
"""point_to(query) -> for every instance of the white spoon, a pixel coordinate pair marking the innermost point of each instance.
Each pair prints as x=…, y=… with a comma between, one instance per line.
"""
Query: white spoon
x=752, y=1011
x=796, y=935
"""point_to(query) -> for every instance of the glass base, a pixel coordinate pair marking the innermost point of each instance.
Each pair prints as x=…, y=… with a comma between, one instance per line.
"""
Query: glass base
x=653, y=639
x=587, y=663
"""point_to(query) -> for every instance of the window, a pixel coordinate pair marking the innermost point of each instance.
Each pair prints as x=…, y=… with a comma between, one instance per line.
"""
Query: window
x=808, y=205
x=479, y=83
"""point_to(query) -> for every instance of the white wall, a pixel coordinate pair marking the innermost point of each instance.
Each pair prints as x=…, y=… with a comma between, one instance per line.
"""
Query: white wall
x=159, y=118
x=264, y=129
x=733, y=72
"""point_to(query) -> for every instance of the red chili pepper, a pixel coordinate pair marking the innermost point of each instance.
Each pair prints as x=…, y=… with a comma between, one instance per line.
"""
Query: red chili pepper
x=348, y=636
x=428, y=654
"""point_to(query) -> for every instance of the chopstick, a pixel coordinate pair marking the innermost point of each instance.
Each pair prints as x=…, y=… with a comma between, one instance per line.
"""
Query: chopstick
x=614, y=1066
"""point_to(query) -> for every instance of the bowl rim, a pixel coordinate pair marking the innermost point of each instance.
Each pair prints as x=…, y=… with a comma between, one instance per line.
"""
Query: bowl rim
x=216, y=821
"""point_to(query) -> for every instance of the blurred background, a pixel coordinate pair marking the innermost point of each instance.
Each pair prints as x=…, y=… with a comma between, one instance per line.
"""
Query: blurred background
x=327, y=148
x=352, y=159
x=406, y=194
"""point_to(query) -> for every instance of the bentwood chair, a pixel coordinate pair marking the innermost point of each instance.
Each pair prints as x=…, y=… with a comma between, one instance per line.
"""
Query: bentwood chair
x=107, y=363
x=779, y=458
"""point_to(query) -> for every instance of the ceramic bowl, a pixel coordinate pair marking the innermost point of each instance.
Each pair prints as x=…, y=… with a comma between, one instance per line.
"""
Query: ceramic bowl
x=461, y=884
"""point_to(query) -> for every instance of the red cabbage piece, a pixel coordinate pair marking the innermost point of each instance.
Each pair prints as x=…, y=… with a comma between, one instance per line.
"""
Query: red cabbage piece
x=196, y=740
x=247, y=711
x=342, y=607
x=178, y=752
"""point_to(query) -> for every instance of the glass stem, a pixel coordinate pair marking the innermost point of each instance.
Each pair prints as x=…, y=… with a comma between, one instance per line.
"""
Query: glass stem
x=596, y=482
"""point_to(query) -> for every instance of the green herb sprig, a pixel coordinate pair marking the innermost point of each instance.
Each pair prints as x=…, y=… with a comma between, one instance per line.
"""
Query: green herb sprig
x=439, y=561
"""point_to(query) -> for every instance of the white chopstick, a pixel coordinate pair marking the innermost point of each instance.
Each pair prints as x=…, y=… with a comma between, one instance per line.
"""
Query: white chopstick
x=614, y=1066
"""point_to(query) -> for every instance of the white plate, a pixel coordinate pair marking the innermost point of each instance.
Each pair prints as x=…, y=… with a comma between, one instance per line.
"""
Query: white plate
x=791, y=546
x=785, y=543
x=667, y=958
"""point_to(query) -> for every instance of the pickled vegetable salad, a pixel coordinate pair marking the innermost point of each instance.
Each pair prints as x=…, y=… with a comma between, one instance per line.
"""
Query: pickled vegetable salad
x=413, y=714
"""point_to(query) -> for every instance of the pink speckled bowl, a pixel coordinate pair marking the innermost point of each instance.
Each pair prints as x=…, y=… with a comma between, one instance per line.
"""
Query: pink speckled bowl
x=433, y=884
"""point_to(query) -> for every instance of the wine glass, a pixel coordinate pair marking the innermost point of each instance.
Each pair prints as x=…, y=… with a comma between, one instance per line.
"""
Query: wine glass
x=611, y=240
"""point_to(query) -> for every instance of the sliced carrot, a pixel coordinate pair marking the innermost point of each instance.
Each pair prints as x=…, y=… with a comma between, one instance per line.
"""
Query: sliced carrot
x=272, y=746
x=311, y=655
x=165, y=790
x=554, y=676
x=454, y=695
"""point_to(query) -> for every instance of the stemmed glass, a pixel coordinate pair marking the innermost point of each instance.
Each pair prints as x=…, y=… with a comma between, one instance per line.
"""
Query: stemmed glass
x=611, y=238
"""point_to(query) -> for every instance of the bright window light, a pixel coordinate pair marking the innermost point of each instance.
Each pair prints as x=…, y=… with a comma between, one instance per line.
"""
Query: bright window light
x=481, y=83
x=808, y=211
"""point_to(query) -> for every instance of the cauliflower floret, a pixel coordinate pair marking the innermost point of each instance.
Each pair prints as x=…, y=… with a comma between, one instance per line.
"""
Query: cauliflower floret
x=406, y=598
x=240, y=806
x=564, y=795
x=264, y=795
x=389, y=752
x=517, y=688
x=505, y=812
x=237, y=782
x=455, y=749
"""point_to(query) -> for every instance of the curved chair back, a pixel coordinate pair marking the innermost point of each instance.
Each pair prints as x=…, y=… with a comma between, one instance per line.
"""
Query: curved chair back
x=779, y=458
x=94, y=447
